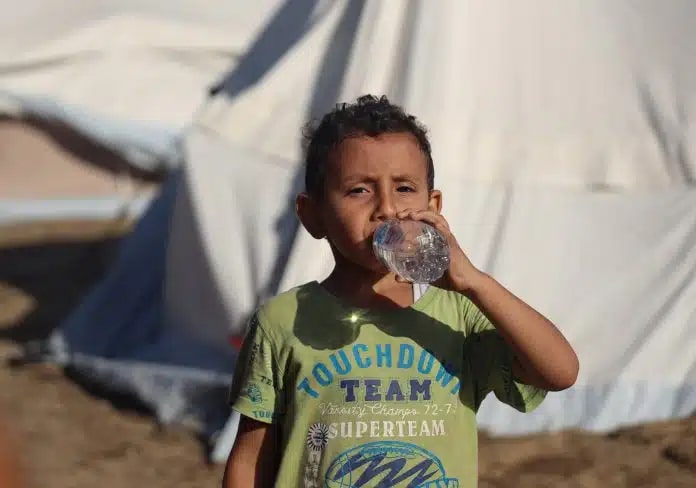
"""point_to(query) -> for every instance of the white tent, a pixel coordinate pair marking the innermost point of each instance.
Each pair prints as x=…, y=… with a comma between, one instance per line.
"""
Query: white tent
x=564, y=137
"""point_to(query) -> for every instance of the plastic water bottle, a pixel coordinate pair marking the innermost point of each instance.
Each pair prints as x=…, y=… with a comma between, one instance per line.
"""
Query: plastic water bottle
x=414, y=250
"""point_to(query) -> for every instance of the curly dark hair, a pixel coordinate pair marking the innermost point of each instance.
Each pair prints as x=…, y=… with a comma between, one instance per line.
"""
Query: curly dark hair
x=368, y=116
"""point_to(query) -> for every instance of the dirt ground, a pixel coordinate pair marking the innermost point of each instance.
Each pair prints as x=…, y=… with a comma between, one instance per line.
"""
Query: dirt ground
x=67, y=437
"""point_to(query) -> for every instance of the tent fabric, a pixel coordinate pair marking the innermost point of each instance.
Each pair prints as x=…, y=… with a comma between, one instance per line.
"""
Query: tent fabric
x=106, y=208
x=133, y=350
x=208, y=271
x=583, y=96
x=132, y=60
x=563, y=135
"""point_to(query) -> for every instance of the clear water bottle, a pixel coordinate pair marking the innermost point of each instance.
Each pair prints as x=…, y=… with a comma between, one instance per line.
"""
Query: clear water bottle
x=414, y=250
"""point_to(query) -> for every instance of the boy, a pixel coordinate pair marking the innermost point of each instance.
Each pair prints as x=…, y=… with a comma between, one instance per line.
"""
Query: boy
x=358, y=380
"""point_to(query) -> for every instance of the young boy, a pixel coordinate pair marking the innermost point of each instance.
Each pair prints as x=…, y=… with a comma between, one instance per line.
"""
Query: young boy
x=361, y=380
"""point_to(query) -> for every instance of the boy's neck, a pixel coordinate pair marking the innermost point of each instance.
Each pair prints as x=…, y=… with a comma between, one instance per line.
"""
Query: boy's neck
x=366, y=289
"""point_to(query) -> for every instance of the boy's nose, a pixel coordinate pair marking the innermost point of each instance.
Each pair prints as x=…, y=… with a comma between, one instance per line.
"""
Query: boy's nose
x=385, y=209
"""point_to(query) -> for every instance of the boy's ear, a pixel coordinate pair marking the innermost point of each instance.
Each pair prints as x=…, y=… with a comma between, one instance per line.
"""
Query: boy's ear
x=307, y=211
x=435, y=201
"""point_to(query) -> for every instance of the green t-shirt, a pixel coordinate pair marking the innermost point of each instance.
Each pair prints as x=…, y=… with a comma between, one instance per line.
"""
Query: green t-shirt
x=374, y=398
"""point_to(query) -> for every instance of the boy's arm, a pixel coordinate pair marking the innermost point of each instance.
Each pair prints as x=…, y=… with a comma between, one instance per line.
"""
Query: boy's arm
x=543, y=357
x=256, y=392
x=252, y=463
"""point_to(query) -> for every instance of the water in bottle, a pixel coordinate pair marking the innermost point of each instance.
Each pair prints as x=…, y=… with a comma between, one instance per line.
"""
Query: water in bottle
x=414, y=250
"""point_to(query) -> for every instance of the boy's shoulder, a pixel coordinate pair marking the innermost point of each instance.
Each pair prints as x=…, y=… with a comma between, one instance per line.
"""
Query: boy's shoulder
x=282, y=309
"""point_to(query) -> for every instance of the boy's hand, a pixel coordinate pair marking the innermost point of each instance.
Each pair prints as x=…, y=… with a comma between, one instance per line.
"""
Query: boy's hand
x=461, y=274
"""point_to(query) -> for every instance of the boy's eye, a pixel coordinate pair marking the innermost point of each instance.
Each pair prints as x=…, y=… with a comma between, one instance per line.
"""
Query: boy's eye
x=358, y=190
x=405, y=189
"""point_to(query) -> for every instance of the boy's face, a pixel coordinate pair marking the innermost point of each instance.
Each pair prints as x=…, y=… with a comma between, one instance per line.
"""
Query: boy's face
x=369, y=180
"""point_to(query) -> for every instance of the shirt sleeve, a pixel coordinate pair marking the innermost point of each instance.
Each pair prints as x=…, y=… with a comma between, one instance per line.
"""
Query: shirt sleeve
x=491, y=360
x=256, y=390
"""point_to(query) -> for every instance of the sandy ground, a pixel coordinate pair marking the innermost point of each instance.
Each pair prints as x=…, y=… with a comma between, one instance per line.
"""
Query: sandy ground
x=69, y=437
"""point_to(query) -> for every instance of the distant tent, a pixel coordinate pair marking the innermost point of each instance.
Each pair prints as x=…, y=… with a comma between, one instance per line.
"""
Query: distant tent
x=564, y=138
x=51, y=172
x=94, y=98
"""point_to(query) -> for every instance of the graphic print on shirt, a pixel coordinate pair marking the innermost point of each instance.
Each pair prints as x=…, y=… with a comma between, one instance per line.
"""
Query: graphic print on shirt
x=405, y=395
x=317, y=440
x=389, y=464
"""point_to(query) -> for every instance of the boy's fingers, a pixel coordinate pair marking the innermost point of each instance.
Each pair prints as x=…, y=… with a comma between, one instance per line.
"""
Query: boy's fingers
x=432, y=218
